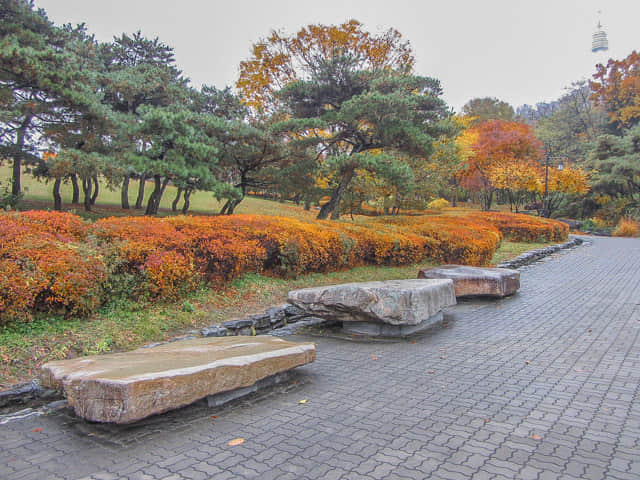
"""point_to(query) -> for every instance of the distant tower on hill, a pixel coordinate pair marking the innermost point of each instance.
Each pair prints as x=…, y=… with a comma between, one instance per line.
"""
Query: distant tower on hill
x=599, y=42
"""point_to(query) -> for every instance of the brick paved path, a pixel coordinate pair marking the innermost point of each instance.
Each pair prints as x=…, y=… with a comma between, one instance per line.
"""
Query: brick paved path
x=543, y=385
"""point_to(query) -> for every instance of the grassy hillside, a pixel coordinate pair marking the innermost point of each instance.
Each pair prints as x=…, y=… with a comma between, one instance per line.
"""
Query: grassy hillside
x=38, y=195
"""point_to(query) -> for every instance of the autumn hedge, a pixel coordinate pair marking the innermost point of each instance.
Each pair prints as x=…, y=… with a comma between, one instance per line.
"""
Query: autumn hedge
x=56, y=263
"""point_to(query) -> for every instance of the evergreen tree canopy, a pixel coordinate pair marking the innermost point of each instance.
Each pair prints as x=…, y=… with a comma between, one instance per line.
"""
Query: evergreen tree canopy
x=616, y=164
x=356, y=119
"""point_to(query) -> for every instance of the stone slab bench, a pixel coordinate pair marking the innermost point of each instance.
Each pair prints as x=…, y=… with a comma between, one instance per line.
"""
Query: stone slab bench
x=126, y=387
x=476, y=281
x=389, y=308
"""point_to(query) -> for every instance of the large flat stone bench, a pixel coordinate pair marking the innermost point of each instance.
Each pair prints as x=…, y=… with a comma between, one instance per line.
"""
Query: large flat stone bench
x=389, y=308
x=126, y=387
x=476, y=281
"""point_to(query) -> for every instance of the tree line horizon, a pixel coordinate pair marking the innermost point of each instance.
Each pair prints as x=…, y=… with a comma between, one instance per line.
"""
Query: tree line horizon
x=332, y=115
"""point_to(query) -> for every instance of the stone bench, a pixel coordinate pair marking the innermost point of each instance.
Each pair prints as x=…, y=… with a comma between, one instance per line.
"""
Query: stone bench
x=126, y=387
x=476, y=281
x=389, y=308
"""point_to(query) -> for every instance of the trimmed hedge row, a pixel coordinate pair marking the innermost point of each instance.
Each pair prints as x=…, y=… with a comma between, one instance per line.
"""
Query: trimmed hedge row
x=525, y=228
x=55, y=262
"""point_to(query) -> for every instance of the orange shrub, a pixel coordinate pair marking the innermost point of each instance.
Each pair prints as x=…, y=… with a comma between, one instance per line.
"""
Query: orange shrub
x=378, y=244
x=219, y=252
x=525, y=228
x=453, y=239
x=627, y=227
x=47, y=260
x=45, y=271
x=291, y=246
x=62, y=224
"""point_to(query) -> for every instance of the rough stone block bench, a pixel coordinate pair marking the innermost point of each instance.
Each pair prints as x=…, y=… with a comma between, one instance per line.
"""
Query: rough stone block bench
x=388, y=308
x=476, y=281
x=126, y=387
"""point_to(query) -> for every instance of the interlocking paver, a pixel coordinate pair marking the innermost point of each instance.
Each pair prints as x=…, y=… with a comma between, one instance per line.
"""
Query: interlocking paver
x=542, y=385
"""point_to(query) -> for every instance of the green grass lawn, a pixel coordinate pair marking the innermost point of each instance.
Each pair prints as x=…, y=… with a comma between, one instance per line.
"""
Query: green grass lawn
x=38, y=195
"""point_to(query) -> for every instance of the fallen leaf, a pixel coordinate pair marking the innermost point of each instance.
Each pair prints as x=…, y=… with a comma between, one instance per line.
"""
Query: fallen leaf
x=535, y=437
x=302, y=402
x=590, y=330
x=431, y=371
x=486, y=420
x=527, y=362
x=37, y=430
x=236, y=441
x=443, y=357
x=213, y=416
x=374, y=358
x=295, y=382
x=91, y=434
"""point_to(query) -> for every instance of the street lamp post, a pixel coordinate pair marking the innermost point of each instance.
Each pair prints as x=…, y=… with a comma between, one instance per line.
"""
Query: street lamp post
x=545, y=207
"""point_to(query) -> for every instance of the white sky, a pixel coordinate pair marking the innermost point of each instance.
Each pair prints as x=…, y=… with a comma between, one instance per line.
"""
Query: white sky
x=521, y=51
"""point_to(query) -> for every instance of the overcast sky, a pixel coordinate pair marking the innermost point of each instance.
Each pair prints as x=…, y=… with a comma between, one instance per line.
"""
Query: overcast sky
x=521, y=51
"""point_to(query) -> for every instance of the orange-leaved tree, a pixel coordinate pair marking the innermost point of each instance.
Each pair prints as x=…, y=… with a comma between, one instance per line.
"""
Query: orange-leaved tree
x=616, y=86
x=501, y=151
x=280, y=60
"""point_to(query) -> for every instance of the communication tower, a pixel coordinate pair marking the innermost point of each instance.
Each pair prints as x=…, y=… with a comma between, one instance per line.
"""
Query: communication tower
x=599, y=42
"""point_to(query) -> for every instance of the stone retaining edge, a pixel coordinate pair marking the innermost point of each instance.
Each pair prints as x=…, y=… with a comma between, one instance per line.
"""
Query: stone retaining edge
x=533, y=256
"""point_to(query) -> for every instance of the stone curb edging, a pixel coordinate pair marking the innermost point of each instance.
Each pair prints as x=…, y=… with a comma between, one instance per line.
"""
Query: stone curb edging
x=272, y=319
x=528, y=258
x=278, y=320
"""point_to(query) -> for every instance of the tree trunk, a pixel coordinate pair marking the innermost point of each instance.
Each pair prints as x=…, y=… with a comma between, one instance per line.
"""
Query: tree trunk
x=75, y=198
x=486, y=199
x=232, y=203
x=174, y=204
x=86, y=189
x=187, y=200
x=454, y=197
x=16, y=184
x=307, y=204
x=124, y=193
x=230, y=206
x=140, y=199
x=333, y=205
x=57, y=198
x=96, y=189
x=156, y=195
